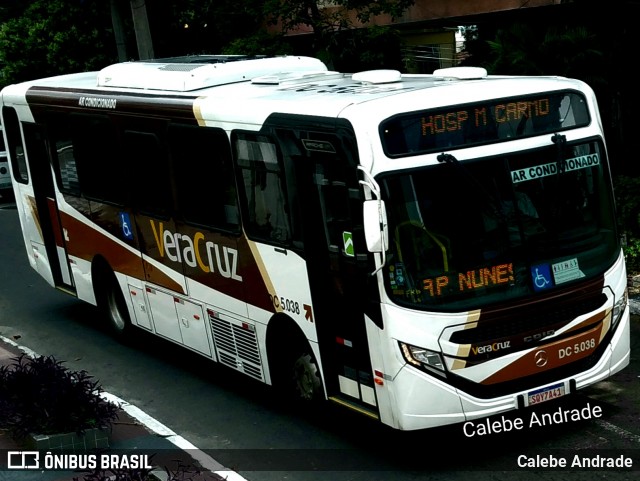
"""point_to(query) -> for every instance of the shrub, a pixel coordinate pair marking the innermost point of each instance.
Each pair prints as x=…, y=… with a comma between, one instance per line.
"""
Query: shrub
x=41, y=396
x=628, y=207
x=632, y=255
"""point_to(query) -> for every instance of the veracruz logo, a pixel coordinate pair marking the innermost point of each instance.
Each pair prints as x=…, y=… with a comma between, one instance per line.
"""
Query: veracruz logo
x=206, y=255
x=496, y=346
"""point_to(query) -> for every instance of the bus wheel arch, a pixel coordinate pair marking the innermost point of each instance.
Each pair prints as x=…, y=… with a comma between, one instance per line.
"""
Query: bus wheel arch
x=110, y=298
x=294, y=368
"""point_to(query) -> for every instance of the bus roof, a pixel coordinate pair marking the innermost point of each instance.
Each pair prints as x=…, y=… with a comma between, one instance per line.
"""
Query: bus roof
x=246, y=89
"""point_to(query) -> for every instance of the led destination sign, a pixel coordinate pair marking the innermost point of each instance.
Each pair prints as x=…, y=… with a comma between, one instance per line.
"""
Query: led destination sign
x=478, y=117
x=482, y=278
x=479, y=123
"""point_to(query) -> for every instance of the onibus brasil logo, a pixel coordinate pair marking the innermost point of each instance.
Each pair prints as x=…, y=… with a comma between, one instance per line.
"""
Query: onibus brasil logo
x=54, y=461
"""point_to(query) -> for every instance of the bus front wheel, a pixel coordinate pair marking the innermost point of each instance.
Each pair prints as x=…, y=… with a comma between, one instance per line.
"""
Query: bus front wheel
x=297, y=378
x=306, y=378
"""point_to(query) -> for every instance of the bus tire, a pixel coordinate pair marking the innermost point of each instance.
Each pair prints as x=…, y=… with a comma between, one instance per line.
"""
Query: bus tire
x=113, y=306
x=297, y=379
x=294, y=370
x=306, y=378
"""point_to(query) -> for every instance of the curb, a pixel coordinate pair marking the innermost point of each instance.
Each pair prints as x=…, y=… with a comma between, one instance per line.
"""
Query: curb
x=203, y=460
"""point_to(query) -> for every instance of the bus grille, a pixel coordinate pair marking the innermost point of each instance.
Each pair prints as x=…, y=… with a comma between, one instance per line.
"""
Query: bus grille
x=518, y=321
x=237, y=346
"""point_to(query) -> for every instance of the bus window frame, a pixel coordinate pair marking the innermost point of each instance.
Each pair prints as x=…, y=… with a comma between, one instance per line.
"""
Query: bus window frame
x=19, y=162
x=249, y=224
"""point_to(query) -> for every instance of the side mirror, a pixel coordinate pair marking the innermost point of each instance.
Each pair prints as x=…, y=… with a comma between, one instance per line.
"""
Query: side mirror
x=376, y=232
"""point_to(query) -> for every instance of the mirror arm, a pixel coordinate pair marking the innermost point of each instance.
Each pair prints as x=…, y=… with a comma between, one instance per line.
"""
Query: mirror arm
x=373, y=186
x=370, y=182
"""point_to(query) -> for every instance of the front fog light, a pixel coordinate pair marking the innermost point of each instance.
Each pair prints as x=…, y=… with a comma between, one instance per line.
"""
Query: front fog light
x=421, y=357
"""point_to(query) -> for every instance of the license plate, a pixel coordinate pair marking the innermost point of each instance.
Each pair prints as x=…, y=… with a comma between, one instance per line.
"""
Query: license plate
x=546, y=394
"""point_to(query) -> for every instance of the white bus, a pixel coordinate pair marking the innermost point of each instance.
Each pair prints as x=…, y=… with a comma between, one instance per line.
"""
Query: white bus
x=5, y=176
x=423, y=249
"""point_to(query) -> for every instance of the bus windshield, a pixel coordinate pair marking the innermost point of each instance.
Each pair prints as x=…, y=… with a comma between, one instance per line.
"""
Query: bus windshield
x=466, y=235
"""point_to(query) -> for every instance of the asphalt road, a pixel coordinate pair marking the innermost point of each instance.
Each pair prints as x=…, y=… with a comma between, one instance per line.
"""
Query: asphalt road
x=240, y=422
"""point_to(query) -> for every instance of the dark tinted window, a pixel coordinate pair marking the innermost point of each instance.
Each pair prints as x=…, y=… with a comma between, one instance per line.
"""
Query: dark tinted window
x=148, y=173
x=203, y=174
x=87, y=156
x=499, y=228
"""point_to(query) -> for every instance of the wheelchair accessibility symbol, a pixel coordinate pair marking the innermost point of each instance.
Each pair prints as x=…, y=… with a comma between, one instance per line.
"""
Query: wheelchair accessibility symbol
x=125, y=226
x=541, y=276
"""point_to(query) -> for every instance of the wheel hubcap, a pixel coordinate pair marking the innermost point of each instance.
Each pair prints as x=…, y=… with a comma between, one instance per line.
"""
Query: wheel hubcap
x=306, y=377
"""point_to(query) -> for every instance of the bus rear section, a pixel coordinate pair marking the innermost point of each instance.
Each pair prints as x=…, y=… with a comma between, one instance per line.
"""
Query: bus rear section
x=504, y=281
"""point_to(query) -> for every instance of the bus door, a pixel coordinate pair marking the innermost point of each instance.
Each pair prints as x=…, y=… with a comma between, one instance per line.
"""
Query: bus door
x=324, y=159
x=151, y=218
x=53, y=233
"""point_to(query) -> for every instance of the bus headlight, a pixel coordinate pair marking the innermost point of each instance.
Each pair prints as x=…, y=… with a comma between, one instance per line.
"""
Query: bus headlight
x=619, y=307
x=422, y=358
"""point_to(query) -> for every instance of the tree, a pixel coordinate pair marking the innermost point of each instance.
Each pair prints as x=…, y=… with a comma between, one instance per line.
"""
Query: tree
x=192, y=27
x=52, y=37
x=329, y=21
x=259, y=43
x=10, y=9
x=579, y=49
x=330, y=16
x=569, y=50
x=365, y=49
x=141, y=27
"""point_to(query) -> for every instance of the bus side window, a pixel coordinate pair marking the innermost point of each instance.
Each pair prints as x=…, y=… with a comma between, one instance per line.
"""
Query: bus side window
x=95, y=149
x=64, y=154
x=67, y=170
x=15, y=148
x=205, y=186
x=263, y=195
x=148, y=166
x=85, y=156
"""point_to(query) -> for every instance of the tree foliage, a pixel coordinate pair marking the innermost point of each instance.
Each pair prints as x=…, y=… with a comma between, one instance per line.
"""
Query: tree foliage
x=364, y=49
x=51, y=37
x=40, y=38
x=323, y=16
x=331, y=23
x=259, y=43
x=201, y=26
x=569, y=50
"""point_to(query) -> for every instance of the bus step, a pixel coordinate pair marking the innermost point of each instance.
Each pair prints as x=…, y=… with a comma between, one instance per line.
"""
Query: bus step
x=355, y=406
x=67, y=290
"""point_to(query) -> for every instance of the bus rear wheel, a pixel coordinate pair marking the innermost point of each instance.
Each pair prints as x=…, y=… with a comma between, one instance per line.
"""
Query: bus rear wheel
x=114, y=308
x=117, y=318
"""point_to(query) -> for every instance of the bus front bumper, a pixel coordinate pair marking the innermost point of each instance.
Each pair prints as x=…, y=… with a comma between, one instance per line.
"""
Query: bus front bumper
x=424, y=401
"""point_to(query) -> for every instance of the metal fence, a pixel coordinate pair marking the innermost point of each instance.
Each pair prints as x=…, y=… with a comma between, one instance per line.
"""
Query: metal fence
x=427, y=58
